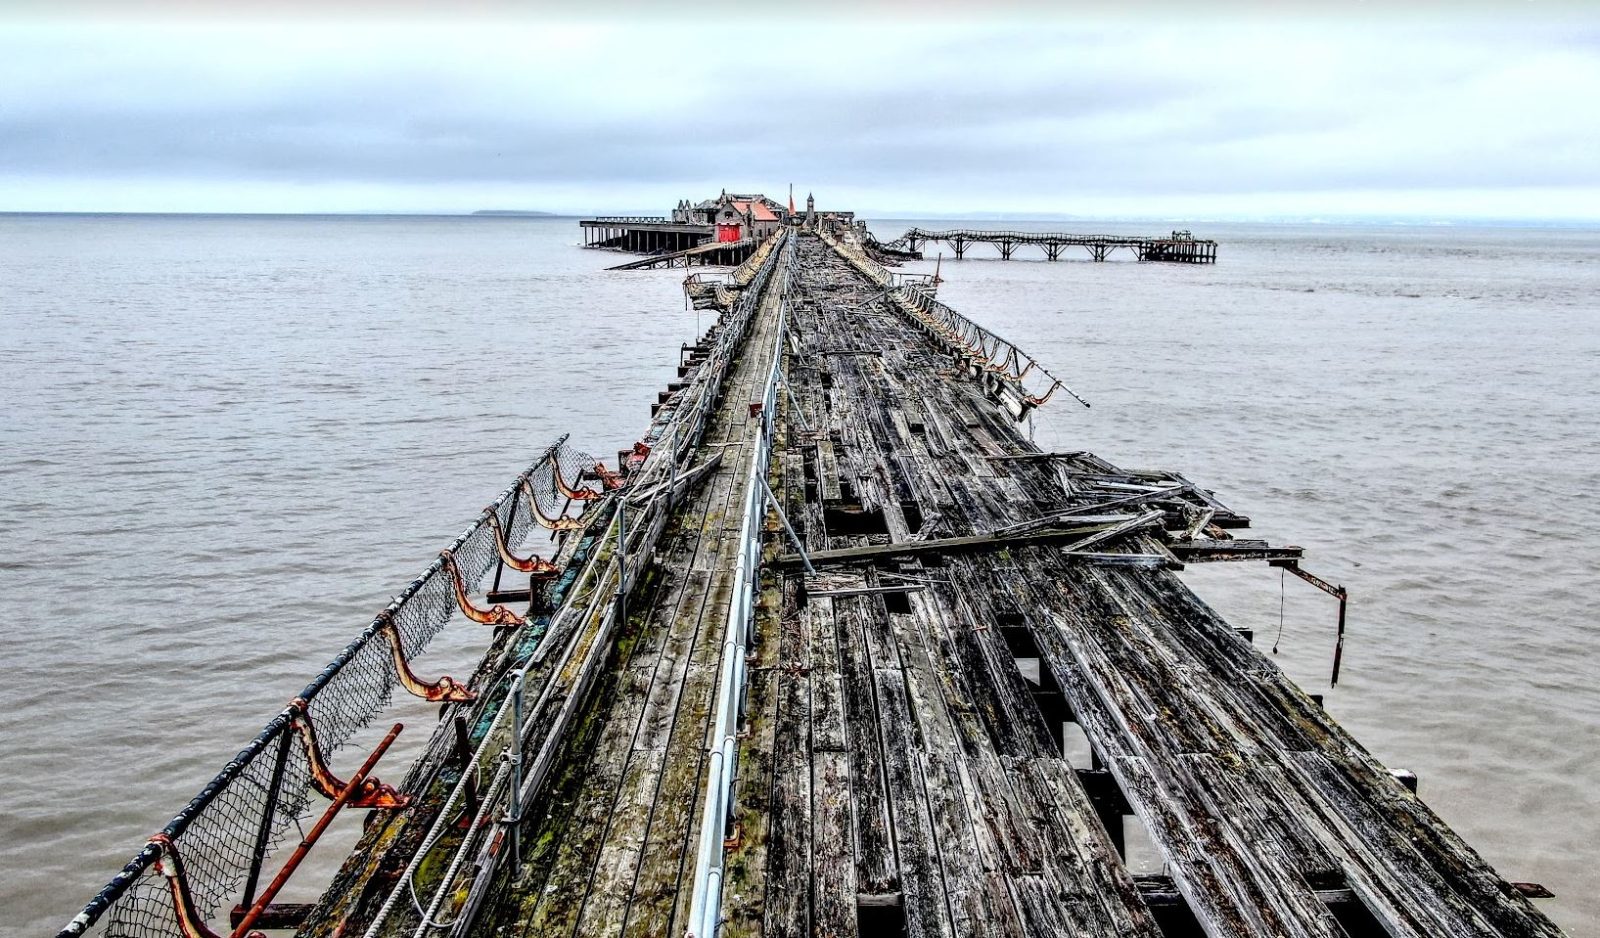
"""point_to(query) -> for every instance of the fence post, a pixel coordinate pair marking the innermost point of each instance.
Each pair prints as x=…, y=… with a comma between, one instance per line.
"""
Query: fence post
x=264, y=829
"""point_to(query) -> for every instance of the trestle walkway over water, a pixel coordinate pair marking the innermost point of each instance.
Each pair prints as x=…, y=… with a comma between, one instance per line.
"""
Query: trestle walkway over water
x=643, y=234
x=836, y=651
x=1179, y=247
x=717, y=253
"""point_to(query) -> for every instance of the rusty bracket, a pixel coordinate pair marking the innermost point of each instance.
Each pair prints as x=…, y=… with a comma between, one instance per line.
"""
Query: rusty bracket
x=444, y=690
x=611, y=480
x=1041, y=401
x=576, y=494
x=170, y=865
x=559, y=523
x=497, y=615
x=370, y=792
x=534, y=565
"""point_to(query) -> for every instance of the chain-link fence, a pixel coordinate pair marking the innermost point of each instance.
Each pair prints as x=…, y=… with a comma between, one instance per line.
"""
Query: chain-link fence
x=224, y=834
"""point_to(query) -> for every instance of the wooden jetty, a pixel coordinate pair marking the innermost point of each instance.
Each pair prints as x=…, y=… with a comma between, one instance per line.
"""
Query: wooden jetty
x=713, y=254
x=1179, y=247
x=834, y=651
x=642, y=234
x=728, y=218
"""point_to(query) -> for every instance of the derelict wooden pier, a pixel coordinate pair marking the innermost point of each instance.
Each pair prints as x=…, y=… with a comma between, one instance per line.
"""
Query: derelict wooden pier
x=969, y=672
x=834, y=650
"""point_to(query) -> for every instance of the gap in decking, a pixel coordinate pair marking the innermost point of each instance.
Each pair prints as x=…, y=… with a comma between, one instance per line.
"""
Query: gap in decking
x=1176, y=921
x=912, y=512
x=880, y=916
x=854, y=520
x=1075, y=747
x=1139, y=852
x=1355, y=919
x=897, y=602
x=1041, y=682
x=1125, y=829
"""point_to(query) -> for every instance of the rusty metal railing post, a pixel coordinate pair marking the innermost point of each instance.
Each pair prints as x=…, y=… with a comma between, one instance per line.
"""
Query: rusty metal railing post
x=264, y=829
x=1338, y=643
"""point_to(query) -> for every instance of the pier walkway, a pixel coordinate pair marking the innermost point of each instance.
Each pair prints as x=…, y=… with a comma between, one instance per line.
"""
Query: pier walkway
x=1179, y=247
x=954, y=743
x=616, y=858
x=954, y=687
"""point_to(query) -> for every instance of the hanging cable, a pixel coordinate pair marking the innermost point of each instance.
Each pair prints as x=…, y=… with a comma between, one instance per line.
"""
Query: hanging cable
x=1279, y=636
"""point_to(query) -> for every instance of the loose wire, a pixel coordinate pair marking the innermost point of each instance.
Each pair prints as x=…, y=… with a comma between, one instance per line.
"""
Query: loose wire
x=1282, y=574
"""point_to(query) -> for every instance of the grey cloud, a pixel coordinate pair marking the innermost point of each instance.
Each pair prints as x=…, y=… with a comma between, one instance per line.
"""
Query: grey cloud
x=1009, y=112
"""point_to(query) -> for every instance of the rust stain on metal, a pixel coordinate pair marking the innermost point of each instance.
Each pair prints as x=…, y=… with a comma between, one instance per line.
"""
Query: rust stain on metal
x=558, y=523
x=535, y=565
x=497, y=615
x=370, y=793
x=444, y=690
x=170, y=865
x=576, y=494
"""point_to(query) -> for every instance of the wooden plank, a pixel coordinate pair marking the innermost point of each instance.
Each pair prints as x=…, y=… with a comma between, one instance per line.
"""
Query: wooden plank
x=946, y=545
x=876, y=870
x=833, y=881
x=789, y=852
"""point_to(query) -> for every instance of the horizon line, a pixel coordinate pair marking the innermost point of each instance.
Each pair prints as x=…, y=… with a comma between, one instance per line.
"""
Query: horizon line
x=1310, y=218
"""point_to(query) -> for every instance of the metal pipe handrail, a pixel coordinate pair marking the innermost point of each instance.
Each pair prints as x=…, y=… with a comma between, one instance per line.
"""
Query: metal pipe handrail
x=672, y=444
x=721, y=765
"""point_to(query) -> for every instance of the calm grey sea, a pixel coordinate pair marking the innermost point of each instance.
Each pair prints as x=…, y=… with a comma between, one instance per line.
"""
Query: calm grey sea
x=225, y=441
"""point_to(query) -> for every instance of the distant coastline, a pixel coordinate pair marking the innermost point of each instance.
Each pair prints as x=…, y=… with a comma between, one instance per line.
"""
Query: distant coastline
x=521, y=213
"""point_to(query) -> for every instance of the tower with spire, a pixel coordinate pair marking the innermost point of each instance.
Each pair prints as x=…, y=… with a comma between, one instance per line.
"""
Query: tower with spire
x=811, y=210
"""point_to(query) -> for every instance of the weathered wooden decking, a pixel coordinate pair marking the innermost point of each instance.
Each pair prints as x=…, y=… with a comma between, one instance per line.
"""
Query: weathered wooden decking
x=613, y=857
x=953, y=723
x=915, y=738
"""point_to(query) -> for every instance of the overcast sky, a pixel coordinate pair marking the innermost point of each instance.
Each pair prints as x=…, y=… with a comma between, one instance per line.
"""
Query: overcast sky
x=1493, y=113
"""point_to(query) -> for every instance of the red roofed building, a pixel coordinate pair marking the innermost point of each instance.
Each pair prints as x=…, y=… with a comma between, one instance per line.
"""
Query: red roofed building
x=735, y=216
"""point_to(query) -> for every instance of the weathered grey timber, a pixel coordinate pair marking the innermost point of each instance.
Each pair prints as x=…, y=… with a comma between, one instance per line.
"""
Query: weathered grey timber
x=950, y=725
x=838, y=651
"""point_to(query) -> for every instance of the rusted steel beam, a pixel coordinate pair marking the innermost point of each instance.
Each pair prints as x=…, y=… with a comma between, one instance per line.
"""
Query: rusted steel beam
x=345, y=797
x=279, y=915
x=1336, y=591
